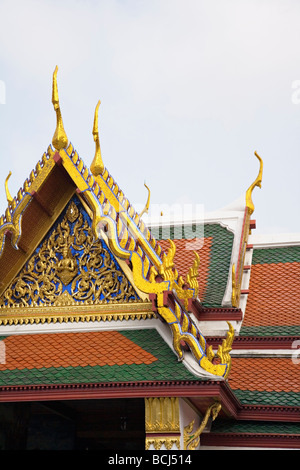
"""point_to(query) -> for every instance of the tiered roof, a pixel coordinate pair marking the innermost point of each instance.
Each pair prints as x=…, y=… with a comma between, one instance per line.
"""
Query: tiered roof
x=163, y=316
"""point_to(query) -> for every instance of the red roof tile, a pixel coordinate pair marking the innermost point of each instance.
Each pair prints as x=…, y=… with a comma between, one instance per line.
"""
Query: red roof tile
x=72, y=349
x=274, y=297
x=268, y=374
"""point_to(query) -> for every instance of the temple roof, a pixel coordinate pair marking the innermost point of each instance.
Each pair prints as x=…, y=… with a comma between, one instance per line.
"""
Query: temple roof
x=215, y=252
x=89, y=357
x=273, y=305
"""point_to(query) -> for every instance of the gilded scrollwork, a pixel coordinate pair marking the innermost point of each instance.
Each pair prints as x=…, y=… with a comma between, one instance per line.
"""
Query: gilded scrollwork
x=69, y=260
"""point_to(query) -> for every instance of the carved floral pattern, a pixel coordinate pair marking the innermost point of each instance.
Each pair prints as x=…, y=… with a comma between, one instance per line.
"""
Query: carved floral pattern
x=69, y=262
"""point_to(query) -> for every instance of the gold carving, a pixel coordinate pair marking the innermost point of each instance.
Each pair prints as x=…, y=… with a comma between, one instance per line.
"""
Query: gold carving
x=191, y=438
x=257, y=182
x=158, y=442
x=97, y=167
x=162, y=415
x=183, y=293
x=146, y=208
x=69, y=256
x=162, y=422
x=8, y=195
x=60, y=139
x=61, y=312
x=234, y=300
x=223, y=350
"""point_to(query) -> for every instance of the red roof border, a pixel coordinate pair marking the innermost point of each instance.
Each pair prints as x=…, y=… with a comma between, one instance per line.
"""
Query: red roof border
x=219, y=390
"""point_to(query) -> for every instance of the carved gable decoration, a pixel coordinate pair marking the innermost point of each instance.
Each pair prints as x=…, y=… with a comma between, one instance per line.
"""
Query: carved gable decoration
x=69, y=268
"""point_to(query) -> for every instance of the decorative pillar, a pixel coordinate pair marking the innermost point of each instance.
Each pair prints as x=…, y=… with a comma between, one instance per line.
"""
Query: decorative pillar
x=162, y=423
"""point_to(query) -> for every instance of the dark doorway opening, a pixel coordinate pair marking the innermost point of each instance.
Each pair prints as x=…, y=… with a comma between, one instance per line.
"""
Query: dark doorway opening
x=114, y=424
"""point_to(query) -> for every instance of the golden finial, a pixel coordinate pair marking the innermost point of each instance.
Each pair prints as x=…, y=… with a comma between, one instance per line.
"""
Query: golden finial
x=146, y=208
x=60, y=139
x=257, y=182
x=97, y=166
x=8, y=195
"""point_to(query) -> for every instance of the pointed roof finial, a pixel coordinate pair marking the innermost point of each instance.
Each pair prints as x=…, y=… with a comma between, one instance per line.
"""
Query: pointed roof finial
x=8, y=195
x=60, y=139
x=257, y=182
x=147, y=205
x=97, y=166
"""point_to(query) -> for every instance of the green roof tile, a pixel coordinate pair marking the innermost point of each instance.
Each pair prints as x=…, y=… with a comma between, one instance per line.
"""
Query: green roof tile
x=279, y=330
x=167, y=367
x=228, y=426
x=250, y=397
x=289, y=254
x=220, y=255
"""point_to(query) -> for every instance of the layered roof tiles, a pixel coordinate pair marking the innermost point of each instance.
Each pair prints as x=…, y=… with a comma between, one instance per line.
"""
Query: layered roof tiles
x=93, y=301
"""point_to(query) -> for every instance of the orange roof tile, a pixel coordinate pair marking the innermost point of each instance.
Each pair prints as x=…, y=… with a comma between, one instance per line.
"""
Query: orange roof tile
x=274, y=297
x=38, y=351
x=267, y=374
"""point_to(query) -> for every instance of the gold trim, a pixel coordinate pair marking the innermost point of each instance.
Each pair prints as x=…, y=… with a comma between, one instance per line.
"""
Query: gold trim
x=257, y=182
x=162, y=415
x=146, y=208
x=86, y=313
x=8, y=195
x=158, y=442
x=60, y=139
x=97, y=166
x=234, y=300
x=191, y=438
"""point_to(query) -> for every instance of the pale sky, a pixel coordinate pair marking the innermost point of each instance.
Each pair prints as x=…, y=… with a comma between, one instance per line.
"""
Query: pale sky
x=189, y=89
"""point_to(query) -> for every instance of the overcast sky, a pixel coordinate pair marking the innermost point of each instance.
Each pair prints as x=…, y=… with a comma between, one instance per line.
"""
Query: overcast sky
x=189, y=89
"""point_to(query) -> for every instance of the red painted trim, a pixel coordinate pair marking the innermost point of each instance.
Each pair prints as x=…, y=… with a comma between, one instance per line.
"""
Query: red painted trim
x=252, y=224
x=257, y=342
x=214, y=314
x=277, y=441
x=108, y=390
x=247, y=267
x=216, y=390
x=249, y=247
x=57, y=158
x=289, y=414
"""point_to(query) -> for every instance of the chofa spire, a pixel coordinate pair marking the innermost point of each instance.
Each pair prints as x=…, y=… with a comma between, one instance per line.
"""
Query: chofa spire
x=257, y=182
x=97, y=166
x=60, y=139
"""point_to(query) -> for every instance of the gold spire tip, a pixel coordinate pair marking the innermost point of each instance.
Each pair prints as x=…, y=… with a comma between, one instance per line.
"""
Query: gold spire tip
x=257, y=182
x=97, y=167
x=8, y=195
x=60, y=139
x=147, y=205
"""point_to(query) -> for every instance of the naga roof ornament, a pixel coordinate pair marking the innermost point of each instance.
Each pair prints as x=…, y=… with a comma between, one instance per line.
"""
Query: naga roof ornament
x=114, y=219
x=257, y=182
x=147, y=205
x=60, y=139
x=97, y=167
x=8, y=195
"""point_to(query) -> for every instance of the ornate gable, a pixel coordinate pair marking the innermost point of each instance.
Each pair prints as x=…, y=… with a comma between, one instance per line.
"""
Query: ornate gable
x=69, y=267
x=93, y=257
